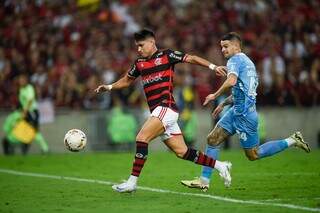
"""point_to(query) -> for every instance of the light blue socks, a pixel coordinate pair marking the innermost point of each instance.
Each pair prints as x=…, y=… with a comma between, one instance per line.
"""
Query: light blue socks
x=272, y=147
x=267, y=149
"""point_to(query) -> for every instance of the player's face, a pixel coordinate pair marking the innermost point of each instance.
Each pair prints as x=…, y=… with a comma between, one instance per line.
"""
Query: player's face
x=146, y=47
x=229, y=48
x=22, y=80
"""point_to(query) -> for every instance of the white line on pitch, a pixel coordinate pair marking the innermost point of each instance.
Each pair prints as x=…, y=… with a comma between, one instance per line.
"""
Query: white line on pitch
x=280, y=174
x=226, y=199
x=288, y=199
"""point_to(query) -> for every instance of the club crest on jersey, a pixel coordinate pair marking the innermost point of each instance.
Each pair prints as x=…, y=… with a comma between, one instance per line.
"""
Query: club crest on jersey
x=158, y=61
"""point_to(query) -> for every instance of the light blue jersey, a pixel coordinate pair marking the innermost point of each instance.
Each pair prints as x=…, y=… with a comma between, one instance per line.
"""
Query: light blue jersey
x=242, y=117
x=244, y=92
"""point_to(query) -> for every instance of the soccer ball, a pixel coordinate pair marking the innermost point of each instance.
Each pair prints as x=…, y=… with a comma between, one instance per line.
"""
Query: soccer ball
x=75, y=140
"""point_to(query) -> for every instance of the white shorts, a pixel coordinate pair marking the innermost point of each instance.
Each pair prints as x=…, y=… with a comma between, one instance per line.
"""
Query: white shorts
x=169, y=119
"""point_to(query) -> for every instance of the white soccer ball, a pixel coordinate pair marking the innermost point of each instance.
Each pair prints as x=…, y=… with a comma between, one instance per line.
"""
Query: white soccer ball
x=75, y=140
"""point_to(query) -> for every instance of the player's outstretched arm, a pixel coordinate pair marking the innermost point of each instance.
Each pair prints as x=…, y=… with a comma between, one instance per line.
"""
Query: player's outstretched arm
x=123, y=82
x=230, y=82
x=193, y=59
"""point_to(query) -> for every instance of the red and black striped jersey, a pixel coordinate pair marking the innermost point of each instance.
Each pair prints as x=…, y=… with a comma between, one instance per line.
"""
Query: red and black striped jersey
x=157, y=77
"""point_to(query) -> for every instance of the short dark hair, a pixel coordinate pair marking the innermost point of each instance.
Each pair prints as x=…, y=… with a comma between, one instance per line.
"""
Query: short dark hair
x=143, y=34
x=232, y=36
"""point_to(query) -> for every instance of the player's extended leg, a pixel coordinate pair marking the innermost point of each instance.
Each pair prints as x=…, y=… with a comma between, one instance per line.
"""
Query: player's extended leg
x=8, y=148
x=176, y=144
x=24, y=148
x=273, y=147
x=214, y=139
x=151, y=129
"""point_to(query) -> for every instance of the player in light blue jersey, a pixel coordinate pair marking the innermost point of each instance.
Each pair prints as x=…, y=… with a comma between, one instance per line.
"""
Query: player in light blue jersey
x=242, y=117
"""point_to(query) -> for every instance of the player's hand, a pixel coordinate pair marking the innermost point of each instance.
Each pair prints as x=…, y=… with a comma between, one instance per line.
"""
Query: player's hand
x=221, y=71
x=217, y=110
x=209, y=98
x=103, y=88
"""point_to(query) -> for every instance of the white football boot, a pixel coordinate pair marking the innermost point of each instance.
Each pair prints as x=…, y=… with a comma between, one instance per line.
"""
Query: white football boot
x=127, y=186
x=224, y=169
x=299, y=142
x=196, y=183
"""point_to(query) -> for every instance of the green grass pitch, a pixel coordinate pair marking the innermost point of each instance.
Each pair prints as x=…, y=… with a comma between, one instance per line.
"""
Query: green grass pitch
x=288, y=182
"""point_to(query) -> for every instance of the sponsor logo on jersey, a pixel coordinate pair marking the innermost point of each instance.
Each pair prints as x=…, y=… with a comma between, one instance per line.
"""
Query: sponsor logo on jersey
x=152, y=78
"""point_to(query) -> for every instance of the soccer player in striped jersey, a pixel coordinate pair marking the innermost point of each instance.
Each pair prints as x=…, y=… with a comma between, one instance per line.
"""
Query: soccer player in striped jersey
x=156, y=69
x=242, y=117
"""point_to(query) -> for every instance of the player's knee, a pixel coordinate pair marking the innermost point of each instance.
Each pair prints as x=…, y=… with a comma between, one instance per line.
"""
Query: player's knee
x=212, y=140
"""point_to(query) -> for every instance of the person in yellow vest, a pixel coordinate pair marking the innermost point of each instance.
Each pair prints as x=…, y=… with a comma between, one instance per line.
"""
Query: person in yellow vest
x=22, y=126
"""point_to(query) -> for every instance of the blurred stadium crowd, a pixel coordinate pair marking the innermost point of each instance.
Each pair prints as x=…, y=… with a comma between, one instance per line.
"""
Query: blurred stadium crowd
x=69, y=47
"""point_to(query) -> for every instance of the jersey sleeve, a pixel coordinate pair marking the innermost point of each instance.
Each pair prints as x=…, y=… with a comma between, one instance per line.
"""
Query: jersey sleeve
x=233, y=66
x=133, y=71
x=176, y=56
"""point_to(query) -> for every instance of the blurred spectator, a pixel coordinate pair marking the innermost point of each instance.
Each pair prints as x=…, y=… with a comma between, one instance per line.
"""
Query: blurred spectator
x=273, y=70
x=68, y=49
x=119, y=122
x=185, y=99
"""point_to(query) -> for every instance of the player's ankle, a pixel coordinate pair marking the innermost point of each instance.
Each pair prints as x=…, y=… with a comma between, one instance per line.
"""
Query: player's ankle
x=205, y=180
x=290, y=141
x=133, y=179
